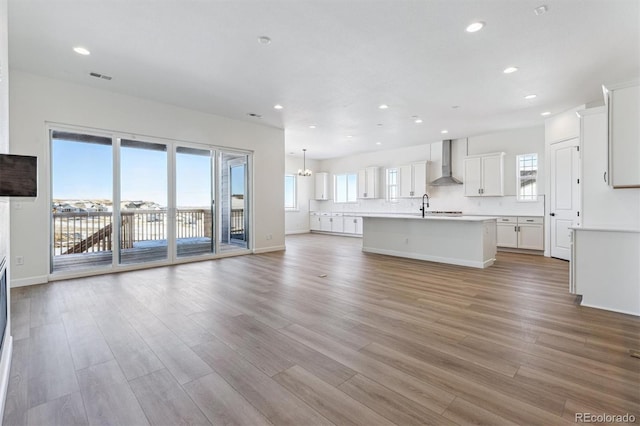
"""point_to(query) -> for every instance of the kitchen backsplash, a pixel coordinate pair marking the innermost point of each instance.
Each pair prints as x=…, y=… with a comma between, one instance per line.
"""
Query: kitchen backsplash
x=495, y=206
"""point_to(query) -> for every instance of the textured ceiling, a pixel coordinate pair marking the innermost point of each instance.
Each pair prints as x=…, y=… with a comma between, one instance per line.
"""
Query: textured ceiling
x=331, y=63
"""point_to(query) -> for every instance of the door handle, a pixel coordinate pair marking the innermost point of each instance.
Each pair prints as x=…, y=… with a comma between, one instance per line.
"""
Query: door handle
x=552, y=214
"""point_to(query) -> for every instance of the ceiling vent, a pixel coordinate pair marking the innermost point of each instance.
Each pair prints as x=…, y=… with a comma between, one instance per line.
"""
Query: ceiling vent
x=98, y=75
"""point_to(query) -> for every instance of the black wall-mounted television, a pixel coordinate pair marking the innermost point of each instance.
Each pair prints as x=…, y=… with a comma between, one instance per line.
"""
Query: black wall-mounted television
x=18, y=176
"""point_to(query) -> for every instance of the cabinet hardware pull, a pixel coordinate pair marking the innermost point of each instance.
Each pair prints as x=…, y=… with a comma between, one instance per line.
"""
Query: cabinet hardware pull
x=605, y=177
x=529, y=220
x=515, y=229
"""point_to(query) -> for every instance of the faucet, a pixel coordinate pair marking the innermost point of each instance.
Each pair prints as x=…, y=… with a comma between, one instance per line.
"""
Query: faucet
x=422, y=209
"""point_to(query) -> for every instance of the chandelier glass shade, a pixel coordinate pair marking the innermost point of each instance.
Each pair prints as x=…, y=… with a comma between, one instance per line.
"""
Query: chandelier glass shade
x=304, y=171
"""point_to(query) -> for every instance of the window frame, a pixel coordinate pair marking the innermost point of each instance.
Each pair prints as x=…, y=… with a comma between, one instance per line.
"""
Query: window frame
x=294, y=207
x=347, y=189
x=520, y=167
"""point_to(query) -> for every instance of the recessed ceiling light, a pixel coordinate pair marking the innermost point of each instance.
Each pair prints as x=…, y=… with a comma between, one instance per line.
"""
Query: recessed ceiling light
x=278, y=106
x=379, y=124
x=378, y=143
x=444, y=132
x=531, y=96
x=264, y=40
x=81, y=50
x=313, y=126
x=349, y=136
x=455, y=107
x=509, y=70
x=254, y=115
x=418, y=121
x=541, y=10
x=544, y=114
x=476, y=26
x=384, y=106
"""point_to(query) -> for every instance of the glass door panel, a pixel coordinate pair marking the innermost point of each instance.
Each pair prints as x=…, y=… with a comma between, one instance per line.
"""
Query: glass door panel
x=143, y=202
x=195, y=215
x=234, y=210
x=82, y=205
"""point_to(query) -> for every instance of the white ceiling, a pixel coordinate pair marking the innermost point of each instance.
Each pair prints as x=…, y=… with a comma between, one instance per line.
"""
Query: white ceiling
x=332, y=62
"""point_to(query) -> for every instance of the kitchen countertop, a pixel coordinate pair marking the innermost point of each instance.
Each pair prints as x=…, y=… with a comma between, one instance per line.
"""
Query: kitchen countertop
x=463, y=218
x=603, y=229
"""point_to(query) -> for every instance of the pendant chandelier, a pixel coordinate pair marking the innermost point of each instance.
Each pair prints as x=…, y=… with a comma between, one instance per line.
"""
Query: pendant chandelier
x=304, y=171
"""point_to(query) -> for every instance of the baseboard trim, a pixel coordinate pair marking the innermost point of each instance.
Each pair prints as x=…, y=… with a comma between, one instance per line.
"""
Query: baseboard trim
x=22, y=282
x=302, y=231
x=607, y=308
x=521, y=251
x=438, y=259
x=269, y=249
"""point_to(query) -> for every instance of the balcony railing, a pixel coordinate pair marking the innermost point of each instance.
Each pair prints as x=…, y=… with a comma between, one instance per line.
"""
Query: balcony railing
x=89, y=232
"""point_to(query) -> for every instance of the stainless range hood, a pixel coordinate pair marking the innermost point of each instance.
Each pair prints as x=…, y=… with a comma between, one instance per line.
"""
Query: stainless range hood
x=447, y=178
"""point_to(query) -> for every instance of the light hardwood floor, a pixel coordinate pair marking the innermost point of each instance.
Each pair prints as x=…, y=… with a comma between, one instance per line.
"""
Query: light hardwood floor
x=268, y=339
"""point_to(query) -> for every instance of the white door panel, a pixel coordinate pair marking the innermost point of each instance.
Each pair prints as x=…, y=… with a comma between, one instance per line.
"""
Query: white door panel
x=565, y=201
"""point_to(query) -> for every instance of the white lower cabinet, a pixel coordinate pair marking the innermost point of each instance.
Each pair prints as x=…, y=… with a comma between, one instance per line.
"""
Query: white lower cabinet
x=325, y=223
x=352, y=225
x=523, y=232
x=507, y=229
x=314, y=221
x=335, y=223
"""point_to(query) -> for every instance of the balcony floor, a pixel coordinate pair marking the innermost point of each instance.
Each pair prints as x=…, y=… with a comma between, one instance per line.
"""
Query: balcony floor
x=146, y=251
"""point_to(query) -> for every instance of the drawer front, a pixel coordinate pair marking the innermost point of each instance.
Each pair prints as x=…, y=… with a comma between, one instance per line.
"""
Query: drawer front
x=507, y=219
x=522, y=220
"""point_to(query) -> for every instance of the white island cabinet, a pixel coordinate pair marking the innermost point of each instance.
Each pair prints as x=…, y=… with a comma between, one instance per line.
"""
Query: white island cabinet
x=458, y=240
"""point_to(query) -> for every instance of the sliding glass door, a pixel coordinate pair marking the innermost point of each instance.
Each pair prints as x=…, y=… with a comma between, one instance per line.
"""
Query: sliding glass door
x=81, y=201
x=195, y=206
x=235, y=212
x=143, y=202
x=118, y=202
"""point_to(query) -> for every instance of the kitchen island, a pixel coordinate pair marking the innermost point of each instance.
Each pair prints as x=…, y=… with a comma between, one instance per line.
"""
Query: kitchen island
x=458, y=240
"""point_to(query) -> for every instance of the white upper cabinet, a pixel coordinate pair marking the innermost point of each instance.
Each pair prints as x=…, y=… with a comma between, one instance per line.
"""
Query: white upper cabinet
x=369, y=183
x=413, y=180
x=623, y=104
x=322, y=186
x=484, y=175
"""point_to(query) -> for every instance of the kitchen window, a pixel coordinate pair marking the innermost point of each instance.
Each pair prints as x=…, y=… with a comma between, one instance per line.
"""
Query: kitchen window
x=290, y=198
x=527, y=177
x=392, y=185
x=346, y=188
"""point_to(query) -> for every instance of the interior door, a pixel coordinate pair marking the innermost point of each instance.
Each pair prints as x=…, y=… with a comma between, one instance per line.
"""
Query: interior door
x=565, y=196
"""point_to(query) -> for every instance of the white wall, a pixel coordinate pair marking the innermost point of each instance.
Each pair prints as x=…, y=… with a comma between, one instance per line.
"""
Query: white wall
x=5, y=356
x=297, y=221
x=512, y=142
x=37, y=100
